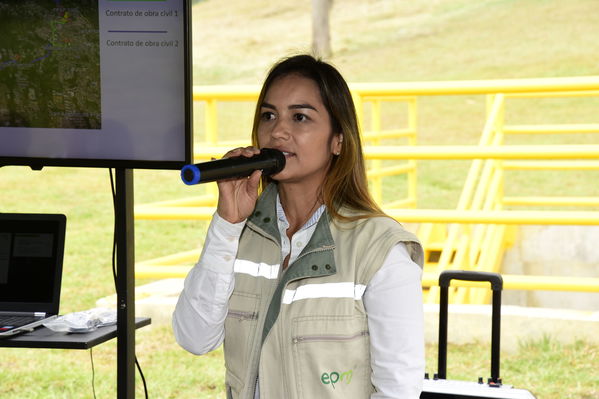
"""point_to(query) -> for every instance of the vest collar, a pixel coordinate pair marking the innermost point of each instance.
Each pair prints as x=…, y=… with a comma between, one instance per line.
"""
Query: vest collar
x=264, y=217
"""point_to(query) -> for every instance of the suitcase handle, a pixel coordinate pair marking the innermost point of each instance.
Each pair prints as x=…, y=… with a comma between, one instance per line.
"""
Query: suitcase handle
x=496, y=285
x=466, y=275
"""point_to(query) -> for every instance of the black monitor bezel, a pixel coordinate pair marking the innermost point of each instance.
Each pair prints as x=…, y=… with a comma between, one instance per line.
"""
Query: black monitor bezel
x=37, y=163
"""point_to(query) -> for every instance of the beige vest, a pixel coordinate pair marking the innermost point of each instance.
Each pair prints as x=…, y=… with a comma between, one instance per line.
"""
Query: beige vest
x=304, y=330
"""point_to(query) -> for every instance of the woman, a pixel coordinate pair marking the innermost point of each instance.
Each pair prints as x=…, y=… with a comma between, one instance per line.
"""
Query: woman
x=314, y=291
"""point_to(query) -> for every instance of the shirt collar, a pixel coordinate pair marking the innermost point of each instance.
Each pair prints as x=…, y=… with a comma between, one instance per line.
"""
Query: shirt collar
x=311, y=222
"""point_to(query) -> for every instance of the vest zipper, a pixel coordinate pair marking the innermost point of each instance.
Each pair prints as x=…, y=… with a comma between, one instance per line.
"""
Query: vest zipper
x=243, y=315
x=255, y=385
x=321, y=249
x=313, y=338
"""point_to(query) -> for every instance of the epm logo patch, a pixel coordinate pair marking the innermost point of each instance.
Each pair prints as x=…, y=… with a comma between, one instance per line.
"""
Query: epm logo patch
x=335, y=377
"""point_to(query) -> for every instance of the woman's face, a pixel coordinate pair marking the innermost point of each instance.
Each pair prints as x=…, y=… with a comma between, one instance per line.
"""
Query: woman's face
x=293, y=119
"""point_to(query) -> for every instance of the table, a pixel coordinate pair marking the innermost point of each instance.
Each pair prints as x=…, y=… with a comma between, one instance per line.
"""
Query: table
x=43, y=337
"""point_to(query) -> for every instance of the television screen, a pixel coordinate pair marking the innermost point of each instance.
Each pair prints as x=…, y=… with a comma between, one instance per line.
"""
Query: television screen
x=100, y=83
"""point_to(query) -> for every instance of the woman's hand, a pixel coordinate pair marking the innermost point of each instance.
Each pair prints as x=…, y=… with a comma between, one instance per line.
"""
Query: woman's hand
x=237, y=197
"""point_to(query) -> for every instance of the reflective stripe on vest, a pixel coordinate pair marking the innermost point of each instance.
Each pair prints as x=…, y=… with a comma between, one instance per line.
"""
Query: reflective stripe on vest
x=270, y=272
x=325, y=290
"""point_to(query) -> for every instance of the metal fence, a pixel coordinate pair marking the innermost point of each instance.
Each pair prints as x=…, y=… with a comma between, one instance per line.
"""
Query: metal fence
x=473, y=235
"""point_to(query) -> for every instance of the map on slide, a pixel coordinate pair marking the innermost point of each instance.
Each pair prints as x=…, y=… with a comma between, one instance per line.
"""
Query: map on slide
x=50, y=64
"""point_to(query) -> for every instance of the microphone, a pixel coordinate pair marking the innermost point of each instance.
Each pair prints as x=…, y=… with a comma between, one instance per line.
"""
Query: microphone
x=271, y=161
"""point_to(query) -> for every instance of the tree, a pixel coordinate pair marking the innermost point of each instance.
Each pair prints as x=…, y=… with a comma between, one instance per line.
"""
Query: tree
x=321, y=36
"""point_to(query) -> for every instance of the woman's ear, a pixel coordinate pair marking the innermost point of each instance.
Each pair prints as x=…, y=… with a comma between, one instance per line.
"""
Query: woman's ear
x=337, y=143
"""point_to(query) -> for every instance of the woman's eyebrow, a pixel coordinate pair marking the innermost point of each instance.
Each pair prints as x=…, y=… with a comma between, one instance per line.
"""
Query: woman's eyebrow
x=300, y=106
x=267, y=105
x=292, y=106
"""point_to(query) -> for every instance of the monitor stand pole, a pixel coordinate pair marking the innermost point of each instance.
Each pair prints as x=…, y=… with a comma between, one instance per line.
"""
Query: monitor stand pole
x=125, y=264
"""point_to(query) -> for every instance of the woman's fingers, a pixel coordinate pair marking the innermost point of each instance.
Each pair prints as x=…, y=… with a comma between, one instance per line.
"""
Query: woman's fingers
x=242, y=151
x=254, y=181
x=237, y=197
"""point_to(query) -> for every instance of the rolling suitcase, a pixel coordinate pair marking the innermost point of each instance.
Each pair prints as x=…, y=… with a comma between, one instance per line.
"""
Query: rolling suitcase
x=441, y=388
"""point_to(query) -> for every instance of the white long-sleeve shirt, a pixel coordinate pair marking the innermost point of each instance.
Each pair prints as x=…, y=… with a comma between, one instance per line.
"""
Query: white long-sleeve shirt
x=393, y=302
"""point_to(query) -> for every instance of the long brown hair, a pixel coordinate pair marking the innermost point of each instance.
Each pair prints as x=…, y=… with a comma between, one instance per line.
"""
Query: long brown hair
x=345, y=185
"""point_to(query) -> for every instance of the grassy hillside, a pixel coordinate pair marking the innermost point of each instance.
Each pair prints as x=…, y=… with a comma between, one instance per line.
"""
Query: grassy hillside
x=387, y=40
x=235, y=41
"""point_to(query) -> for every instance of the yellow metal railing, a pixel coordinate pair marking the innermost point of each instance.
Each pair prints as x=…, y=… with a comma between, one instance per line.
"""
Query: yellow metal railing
x=376, y=137
x=476, y=233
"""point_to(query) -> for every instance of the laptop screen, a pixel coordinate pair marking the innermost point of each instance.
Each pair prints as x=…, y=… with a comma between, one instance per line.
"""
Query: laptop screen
x=31, y=254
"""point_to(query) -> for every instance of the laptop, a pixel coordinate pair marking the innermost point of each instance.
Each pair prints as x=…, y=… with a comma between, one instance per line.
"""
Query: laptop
x=31, y=255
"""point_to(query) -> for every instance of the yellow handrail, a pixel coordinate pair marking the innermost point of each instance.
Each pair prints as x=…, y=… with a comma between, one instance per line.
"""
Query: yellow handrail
x=437, y=88
x=552, y=129
x=468, y=87
x=577, y=218
x=455, y=152
x=551, y=165
x=520, y=282
x=460, y=152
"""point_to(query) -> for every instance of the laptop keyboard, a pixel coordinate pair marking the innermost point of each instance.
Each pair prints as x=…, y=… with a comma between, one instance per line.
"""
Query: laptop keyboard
x=16, y=321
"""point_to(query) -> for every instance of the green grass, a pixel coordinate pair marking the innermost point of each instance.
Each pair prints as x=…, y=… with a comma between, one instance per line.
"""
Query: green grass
x=235, y=43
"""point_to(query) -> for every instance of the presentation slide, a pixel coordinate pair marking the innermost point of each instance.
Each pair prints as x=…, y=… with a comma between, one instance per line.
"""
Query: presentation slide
x=94, y=80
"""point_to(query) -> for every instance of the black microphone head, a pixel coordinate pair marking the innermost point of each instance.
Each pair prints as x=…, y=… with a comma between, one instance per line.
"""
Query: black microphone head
x=278, y=159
